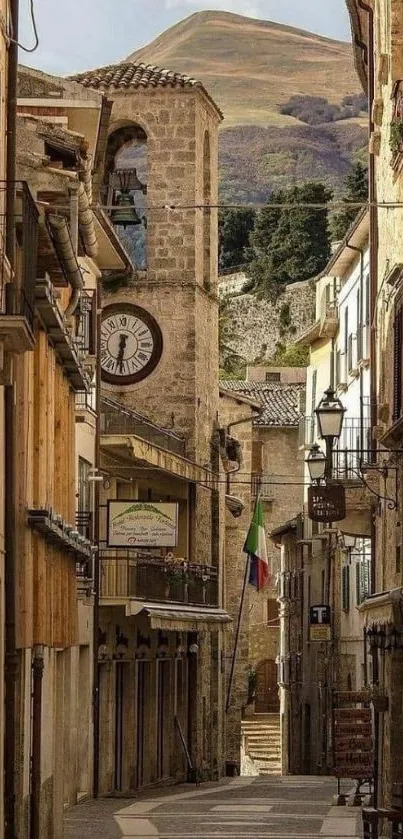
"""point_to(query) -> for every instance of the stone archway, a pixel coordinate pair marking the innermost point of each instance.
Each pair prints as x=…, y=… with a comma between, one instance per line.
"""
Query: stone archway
x=267, y=698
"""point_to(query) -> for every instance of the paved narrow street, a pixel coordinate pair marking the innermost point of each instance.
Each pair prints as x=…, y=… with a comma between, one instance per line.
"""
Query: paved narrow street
x=261, y=808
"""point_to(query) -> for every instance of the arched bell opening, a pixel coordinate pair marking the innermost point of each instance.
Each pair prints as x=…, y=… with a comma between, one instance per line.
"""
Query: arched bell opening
x=125, y=189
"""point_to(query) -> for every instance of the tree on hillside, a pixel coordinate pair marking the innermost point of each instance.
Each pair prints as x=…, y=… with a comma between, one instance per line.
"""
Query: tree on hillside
x=355, y=190
x=234, y=228
x=290, y=243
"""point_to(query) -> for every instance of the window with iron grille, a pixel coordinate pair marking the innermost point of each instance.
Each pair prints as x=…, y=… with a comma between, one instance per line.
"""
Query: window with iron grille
x=345, y=588
x=397, y=363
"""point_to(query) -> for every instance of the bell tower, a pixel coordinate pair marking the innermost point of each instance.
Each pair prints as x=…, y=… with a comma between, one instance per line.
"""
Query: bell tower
x=161, y=176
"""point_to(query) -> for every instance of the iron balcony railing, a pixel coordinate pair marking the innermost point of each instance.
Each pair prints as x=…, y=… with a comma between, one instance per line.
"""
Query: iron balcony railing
x=117, y=419
x=18, y=292
x=353, y=449
x=147, y=577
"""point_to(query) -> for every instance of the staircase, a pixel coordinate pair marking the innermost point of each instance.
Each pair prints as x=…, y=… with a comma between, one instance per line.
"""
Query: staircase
x=262, y=742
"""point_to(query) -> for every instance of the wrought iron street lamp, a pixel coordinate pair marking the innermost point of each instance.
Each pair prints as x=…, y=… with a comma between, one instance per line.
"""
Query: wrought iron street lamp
x=316, y=462
x=330, y=413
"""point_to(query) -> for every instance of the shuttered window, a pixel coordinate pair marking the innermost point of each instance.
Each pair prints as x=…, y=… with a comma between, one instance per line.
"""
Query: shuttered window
x=273, y=617
x=345, y=588
x=313, y=404
x=397, y=363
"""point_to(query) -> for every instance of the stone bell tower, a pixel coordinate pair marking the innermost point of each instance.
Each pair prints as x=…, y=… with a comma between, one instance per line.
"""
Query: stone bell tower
x=164, y=126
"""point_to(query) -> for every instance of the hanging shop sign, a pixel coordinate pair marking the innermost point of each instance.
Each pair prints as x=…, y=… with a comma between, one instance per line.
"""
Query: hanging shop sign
x=142, y=524
x=353, y=752
x=320, y=623
x=327, y=502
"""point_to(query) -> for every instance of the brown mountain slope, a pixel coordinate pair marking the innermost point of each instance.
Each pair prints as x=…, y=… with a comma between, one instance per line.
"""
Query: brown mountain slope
x=251, y=66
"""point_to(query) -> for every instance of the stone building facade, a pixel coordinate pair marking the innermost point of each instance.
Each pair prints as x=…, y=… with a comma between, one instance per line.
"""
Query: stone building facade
x=277, y=475
x=161, y=633
x=377, y=36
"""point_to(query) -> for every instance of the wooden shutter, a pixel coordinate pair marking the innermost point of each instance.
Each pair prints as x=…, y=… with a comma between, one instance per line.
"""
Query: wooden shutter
x=397, y=363
x=345, y=577
x=313, y=404
x=273, y=616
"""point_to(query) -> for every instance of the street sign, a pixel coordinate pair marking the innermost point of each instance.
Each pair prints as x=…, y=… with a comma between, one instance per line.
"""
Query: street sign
x=327, y=502
x=353, y=754
x=320, y=623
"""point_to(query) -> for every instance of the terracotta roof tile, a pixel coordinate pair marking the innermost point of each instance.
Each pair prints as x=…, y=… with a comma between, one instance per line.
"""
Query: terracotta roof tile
x=280, y=402
x=133, y=75
x=129, y=75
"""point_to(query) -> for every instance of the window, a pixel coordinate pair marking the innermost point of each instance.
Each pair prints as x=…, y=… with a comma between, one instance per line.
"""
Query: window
x=397, y=363
x=313, y=404
x=362, y=579
x=84, y=486
x=367, y=299
x=273, y=615
x=345, y=588
x=359, y=326
x=346, y=330
x=273, y=377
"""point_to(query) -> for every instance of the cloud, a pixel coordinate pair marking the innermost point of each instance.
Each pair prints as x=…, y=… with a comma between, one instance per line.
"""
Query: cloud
x=250, y=8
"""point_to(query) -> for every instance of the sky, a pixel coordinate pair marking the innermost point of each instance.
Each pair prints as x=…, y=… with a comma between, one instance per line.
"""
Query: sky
x=76, y=35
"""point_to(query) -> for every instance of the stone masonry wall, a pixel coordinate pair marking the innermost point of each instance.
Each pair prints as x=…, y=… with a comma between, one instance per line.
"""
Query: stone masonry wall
x=280, y=463
x=235, y=561
x=256, y=323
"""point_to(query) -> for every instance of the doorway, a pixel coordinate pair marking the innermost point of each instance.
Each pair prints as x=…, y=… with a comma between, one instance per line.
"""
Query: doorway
x=267, y=698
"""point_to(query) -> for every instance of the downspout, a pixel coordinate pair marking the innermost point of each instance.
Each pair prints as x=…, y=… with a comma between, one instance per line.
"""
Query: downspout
x=11, y=658
x=373, y=259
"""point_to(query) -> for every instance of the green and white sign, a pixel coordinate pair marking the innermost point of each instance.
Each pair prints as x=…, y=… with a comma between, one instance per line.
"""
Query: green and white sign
x=142, y=524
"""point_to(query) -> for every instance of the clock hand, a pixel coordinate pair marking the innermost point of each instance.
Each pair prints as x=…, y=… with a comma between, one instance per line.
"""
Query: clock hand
x=122, y=346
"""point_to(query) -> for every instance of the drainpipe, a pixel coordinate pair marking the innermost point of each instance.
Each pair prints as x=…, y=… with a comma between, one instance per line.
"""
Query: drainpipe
x=37, y=678
x=373, y=255
x=11, y=657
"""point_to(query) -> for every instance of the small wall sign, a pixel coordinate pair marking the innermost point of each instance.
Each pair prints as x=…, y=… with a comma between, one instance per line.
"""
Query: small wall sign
x=320, y=623
x=327, y=502
x=142, y=524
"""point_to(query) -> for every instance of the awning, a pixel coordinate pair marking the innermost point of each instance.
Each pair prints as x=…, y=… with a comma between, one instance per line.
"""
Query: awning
x=383, y=608
x=137, y=451
x=176, y=618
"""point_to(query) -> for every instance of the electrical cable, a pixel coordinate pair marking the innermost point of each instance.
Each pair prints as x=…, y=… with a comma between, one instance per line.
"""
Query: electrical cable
x=35, y=47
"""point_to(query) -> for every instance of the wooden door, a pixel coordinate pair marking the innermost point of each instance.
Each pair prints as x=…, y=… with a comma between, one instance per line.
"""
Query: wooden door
x=267, y=698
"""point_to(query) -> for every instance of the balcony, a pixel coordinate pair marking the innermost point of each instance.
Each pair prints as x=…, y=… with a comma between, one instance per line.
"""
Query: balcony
x=329, y=314
x=117, y=419
x=146, y=577
x=353, y=450
x=17, y=293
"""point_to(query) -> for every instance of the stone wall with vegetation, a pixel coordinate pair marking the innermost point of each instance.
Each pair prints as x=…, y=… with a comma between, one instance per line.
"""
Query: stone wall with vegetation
x=259, y=326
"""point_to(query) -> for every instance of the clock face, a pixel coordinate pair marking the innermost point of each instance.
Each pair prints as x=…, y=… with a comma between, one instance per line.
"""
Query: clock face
x=131, y=344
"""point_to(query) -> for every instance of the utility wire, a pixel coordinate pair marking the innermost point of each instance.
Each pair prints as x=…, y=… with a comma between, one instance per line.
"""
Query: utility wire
x=36, y=45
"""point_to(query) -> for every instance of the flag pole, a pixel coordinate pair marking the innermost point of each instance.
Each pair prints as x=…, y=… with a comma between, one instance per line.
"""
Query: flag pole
x=237, y=634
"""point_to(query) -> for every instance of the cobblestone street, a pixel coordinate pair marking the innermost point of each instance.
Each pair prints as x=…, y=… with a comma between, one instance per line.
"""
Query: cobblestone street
x=269, y=808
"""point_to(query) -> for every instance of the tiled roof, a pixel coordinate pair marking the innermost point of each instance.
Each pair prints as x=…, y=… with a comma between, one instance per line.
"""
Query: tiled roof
x=128, y=75
x=280, y=402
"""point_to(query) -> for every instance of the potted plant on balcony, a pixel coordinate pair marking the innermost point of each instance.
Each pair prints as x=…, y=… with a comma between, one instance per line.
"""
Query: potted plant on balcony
x=174, y=570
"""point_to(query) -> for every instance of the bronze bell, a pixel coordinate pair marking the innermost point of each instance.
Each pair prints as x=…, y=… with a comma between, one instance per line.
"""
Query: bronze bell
x=125, y=213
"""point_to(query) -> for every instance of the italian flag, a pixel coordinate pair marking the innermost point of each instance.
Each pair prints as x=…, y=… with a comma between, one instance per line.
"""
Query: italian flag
x=255, y=547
